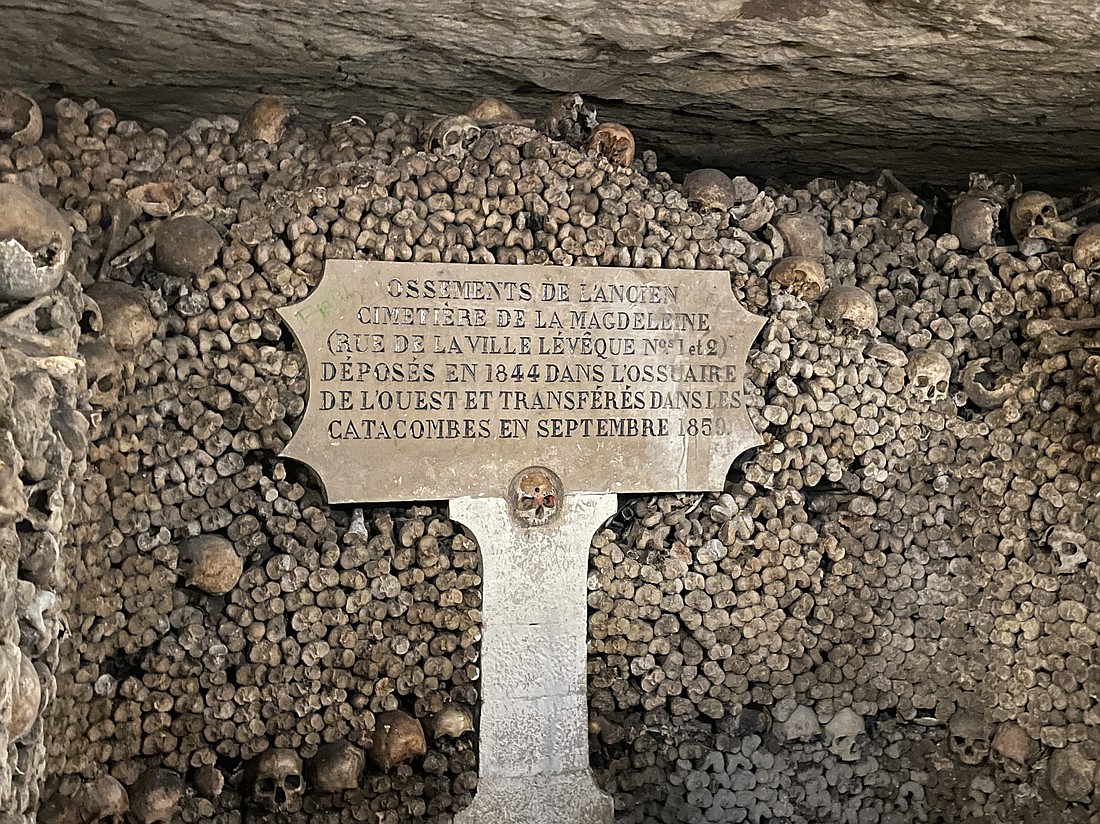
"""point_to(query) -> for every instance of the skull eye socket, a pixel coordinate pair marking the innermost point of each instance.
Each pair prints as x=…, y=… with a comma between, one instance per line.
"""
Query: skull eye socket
x=265, y=786
x=293, y=782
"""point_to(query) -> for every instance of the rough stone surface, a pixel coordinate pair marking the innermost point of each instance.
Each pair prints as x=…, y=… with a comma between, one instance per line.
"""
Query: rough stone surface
x=780, y=87
x=534, y=712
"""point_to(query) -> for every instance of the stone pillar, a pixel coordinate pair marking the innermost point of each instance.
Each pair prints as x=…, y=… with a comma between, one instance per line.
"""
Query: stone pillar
x=533, y=732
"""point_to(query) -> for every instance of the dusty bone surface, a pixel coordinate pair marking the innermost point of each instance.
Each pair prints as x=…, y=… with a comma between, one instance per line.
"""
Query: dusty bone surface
x=900, y=565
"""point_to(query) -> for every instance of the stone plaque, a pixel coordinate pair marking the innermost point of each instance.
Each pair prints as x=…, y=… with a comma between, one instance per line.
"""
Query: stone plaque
x=438, y=381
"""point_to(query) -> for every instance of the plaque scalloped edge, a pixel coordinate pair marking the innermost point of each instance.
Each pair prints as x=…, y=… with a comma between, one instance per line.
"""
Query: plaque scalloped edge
x=368, y=470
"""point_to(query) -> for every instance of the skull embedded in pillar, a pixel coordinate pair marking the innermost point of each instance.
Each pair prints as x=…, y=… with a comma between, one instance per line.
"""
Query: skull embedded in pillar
x=970, y=737
x=210, y=563
x=453, y=721
x=802, y=277
x=20, y=117
x=127, y=322
x=536, y=496
x=929, y=375
x=275, y=780
x=846, y=735
x=397, y=737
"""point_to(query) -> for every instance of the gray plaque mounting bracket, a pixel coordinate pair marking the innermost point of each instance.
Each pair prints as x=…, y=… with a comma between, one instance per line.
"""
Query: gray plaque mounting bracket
x=534, y=766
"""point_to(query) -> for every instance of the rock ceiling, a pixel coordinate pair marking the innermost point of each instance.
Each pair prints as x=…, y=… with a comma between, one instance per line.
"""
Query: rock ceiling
x=784, y=88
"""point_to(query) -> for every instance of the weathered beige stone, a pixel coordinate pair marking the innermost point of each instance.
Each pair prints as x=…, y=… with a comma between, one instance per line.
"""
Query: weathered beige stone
x=782, y=87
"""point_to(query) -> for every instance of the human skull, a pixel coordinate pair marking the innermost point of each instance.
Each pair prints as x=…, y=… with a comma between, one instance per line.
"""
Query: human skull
x=969, y=736
x=453, y=721
x=1067, y=546
x=851, y=309
x=709, y=190
x=209, y=781
x=929, y=375
x=846, y=735
x=569, y=119
x=397, y=737
x=336, y=767
x=1086, y=250
x=210, y=563
x=452, y=136
x=35, y=242
x=265, y=120
x=1033, y=215
x=102, y=801
x=275, y=780
x=187, y=246
x=803, y=236
x=20, y=117
x=127, y=322
x=1013, y=750
x=802, y=277
x=974, y=219
x=802, y=725
x=901, y=207
x=1070, y=774
x=492, y=111
x=155, y=796
x=106, y=373
x=536, y=496
x=613, y=141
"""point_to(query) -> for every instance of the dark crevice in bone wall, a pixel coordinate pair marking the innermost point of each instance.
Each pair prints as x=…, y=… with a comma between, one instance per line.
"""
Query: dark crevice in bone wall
x=888, y=615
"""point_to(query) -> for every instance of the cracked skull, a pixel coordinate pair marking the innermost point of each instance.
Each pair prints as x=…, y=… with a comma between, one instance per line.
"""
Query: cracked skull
x=929, y=375
x=35, y=241
x=275, y=779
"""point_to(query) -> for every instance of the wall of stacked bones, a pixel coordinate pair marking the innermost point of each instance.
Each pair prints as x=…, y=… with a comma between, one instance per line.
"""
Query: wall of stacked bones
x=888, y=615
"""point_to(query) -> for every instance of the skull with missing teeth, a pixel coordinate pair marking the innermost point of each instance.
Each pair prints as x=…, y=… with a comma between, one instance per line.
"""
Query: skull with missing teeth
x=536, y=496
x=929, y=375
x=452, y=136
x=802, y=277
x=1033, y=215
